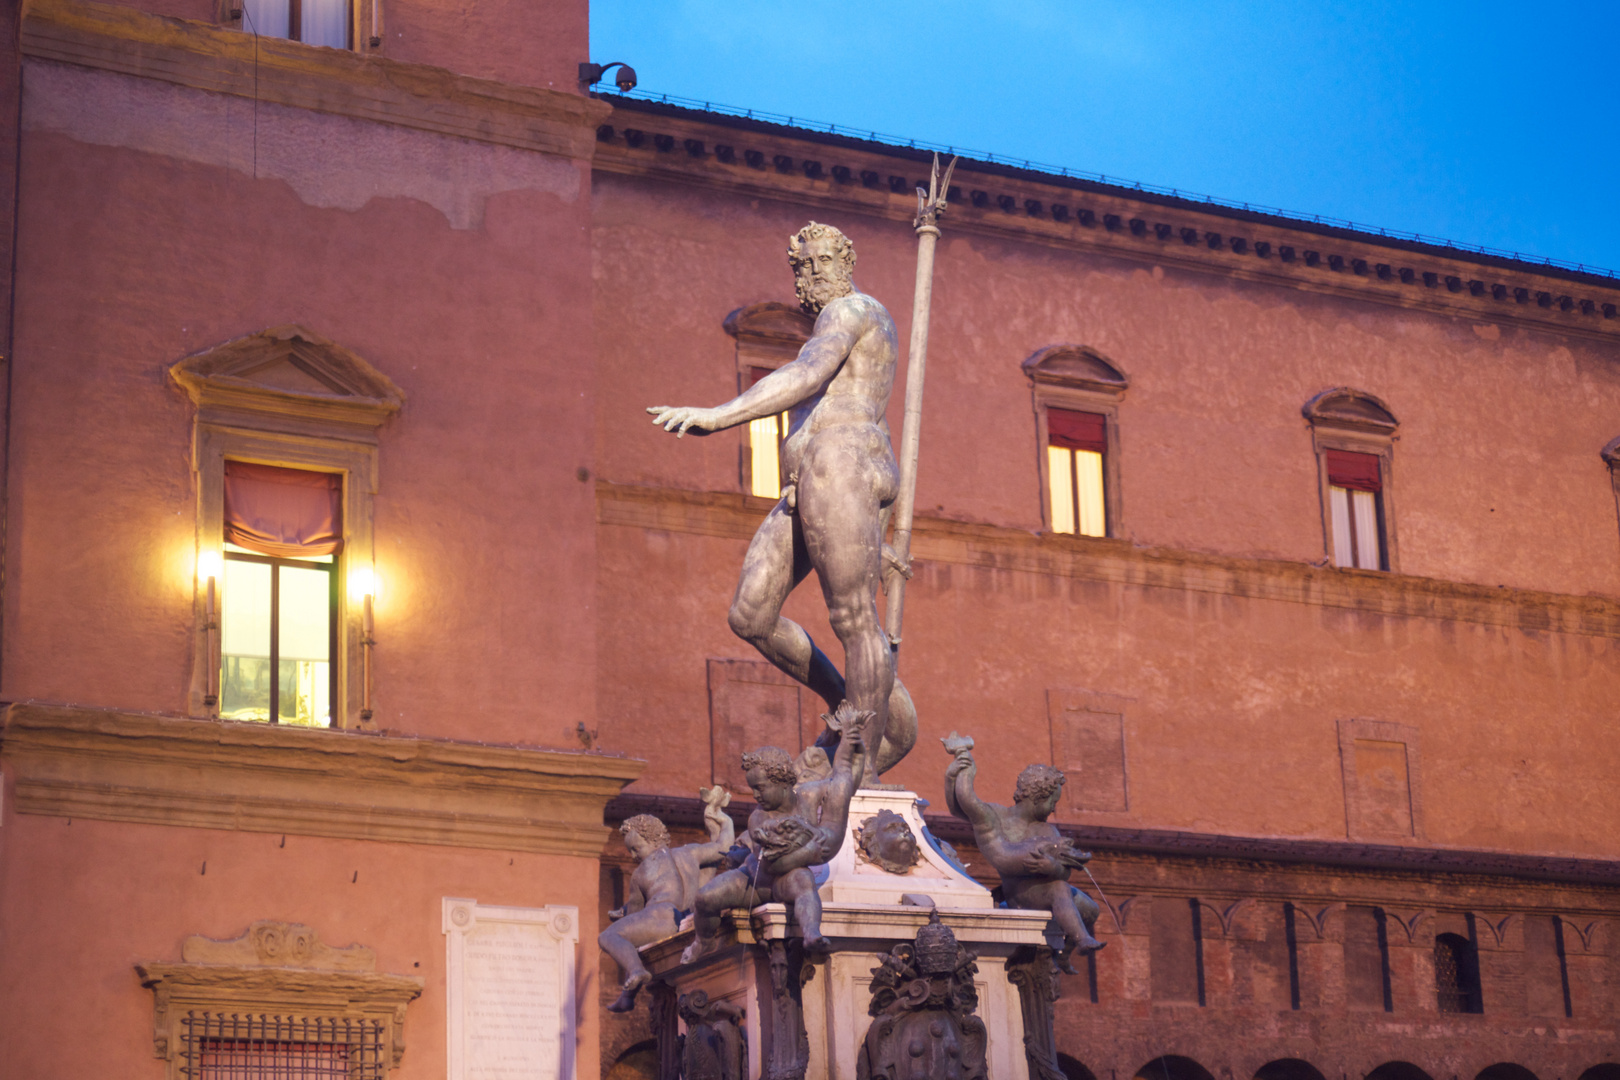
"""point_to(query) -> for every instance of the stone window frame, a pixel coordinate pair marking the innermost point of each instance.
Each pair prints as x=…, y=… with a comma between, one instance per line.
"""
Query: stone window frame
x=288, y=397
x=1344, y=418
x=767, y=335
x=276, y=969
x=1079, y=377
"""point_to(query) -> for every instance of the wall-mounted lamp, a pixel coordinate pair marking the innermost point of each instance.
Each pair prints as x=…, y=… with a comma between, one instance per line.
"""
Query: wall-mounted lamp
x=363, y=584
x=210, y=566
x=590, y=74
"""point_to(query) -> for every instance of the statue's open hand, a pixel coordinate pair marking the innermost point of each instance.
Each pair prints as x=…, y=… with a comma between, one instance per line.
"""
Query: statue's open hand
x=683, y=418
x=1037, y=864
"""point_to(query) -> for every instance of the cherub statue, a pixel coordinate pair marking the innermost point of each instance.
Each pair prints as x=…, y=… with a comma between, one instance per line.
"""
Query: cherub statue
x=797, y=824
x=1032, y=857
x=663, y=888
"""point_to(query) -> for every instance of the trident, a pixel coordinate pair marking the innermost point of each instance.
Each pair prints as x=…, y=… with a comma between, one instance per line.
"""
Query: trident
x=930, y=207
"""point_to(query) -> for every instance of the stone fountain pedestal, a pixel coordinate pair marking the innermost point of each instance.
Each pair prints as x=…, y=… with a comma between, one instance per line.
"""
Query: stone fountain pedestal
x=805, y=1016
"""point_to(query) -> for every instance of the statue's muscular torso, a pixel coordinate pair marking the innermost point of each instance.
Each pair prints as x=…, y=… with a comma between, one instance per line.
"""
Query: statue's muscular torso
x=857, y=396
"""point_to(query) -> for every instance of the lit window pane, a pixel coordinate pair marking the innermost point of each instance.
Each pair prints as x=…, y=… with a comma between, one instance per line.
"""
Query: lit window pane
x=1339, y=502
x=267, y=18
x=305, y=629
x=1365, y=505
x=244, y=692
x=326, y=22
x=764, y=439
x=1088, y=483
x=1059, y=464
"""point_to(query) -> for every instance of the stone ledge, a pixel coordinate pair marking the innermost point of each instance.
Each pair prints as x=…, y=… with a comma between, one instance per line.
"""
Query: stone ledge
x=118, y=766
x=207, y=57
x=736, y=516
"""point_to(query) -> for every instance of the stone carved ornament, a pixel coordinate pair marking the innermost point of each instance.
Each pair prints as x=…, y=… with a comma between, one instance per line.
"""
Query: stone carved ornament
x=715, y=1046
x=923, y=1001
x=886, y=841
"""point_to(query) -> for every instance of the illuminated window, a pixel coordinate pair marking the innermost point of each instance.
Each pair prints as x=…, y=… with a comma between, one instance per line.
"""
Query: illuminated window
x=1076, y=443
x=765, y=438
x=314, y=22
x=1354, y=484
x=279, y=602
x=1077, y=399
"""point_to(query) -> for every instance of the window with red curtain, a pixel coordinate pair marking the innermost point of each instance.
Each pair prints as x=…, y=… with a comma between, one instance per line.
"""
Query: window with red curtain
x=1355, y=484
x=278, y=614
x=1075, y=444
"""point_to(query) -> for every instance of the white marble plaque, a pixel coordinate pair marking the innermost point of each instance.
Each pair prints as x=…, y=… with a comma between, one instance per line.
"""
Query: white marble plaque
x=510, y=976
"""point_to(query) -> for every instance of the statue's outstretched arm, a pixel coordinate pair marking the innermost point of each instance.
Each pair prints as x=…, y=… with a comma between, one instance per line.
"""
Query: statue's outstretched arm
x=819, y=360
x=978, y=813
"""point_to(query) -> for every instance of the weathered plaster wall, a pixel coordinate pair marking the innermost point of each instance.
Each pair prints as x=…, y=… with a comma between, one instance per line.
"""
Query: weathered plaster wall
x=1231, y=725
x=133, y=258
x=82, y=902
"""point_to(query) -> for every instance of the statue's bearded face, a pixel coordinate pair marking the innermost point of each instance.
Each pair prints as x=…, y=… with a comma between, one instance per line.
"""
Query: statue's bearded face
x=822, y=274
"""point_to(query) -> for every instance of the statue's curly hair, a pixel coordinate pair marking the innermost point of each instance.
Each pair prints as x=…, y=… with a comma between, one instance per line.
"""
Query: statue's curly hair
x=1037, y=782
x=817, y=231
x=648, y=828
x=773, y=761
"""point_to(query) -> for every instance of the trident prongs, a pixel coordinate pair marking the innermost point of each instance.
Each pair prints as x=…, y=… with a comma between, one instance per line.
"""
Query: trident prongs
x=931, y=203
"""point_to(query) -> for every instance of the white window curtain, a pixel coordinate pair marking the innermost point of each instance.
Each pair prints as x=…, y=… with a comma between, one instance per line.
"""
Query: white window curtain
x=326, y=22
x=267, y=18
x=321, y=22
x=1355, y=528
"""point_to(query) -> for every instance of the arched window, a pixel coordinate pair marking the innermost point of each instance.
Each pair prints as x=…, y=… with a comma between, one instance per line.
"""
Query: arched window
x=1173, y=1067
x=768, y=335
x=1077, y=395
x=1354, y=434
x=1505, y=1070
x=1073, y=1069
x=1456, y=975
x=1288, y=1069
x=1398, y=1070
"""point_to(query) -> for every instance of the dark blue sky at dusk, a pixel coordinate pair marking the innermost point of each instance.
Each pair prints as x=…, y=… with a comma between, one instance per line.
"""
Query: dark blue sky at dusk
x=1487, y=123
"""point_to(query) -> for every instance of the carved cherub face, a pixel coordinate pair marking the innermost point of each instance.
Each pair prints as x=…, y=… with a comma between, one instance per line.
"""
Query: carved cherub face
x=639, y=845
x=769, y=792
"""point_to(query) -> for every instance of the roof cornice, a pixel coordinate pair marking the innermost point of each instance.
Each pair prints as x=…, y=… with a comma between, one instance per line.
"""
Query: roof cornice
x=760, y=159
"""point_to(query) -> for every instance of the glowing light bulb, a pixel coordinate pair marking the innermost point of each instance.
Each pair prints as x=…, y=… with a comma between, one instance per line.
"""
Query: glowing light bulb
x=210, y=564
x=362, y=582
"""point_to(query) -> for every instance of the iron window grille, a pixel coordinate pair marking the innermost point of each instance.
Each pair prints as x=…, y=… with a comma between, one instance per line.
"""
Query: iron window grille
x=220, y=1046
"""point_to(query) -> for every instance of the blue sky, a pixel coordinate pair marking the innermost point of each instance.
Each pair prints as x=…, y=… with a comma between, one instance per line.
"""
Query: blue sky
x=1487, y=123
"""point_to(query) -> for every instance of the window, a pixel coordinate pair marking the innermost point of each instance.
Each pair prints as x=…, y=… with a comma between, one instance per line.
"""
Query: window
x=279, y=602
x=768, y=336
x=1456, y=975
x=1077, y=394
x=1076, y=443
x=236, y=1047
x=1354, y=436
x=314, y=22
x=1354, y=483
x=285, y=455
x=765, y=438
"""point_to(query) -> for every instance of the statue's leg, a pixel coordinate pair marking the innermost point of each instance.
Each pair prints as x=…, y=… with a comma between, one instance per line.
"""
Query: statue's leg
x=775, y=564
x=798, y=887
x=1076, y=934
x=841, y=486
x=622, y=941
x=725, y=891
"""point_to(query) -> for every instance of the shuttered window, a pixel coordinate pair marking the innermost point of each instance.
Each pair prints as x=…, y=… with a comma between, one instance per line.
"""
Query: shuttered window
x=1355, y=484
x=1075, y=445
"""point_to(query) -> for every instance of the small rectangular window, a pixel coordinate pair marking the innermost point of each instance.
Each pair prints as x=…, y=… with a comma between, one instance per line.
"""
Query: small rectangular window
x=1354, y=486
x=314, y=22
x=219, y=1046
x=1075, y=445
x=765, y=438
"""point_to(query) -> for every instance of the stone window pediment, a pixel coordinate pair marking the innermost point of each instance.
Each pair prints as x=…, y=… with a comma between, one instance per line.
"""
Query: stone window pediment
x=1353, y=410
x=1077, y=366
x=289, y=371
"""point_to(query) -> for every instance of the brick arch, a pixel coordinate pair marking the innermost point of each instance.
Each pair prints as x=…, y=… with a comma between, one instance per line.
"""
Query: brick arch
x=1173, y=1067
x=1288, y=1069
